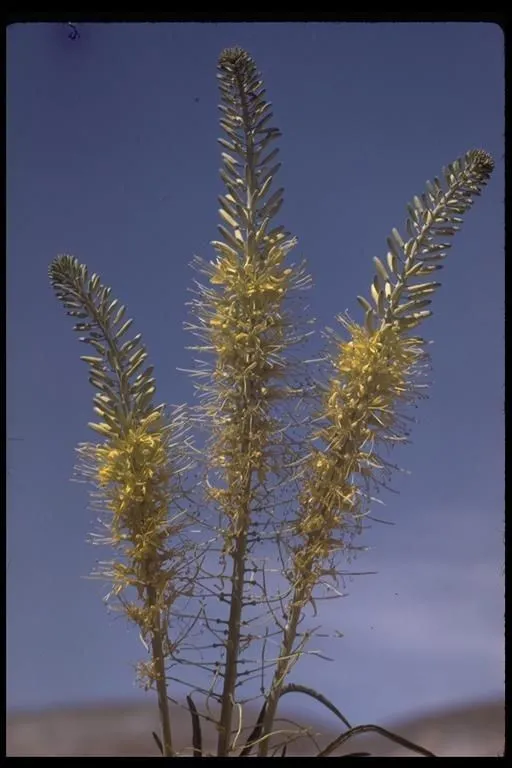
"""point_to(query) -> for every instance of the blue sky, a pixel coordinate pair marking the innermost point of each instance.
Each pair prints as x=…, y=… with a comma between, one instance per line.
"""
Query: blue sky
x=112, y=156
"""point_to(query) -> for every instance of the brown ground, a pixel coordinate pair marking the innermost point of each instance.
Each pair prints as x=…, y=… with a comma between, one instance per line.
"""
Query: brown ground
x=474, y=730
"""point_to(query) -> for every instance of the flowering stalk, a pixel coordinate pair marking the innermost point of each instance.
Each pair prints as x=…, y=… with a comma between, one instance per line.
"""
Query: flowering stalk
x=246, y=326
x=374, y=372
x=135, y=470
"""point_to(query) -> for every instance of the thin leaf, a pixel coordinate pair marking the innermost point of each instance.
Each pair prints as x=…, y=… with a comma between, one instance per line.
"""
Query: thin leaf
x=381, y=269
x=365, y=304
x=122, y=330
x=230, y=239
x=230, y=220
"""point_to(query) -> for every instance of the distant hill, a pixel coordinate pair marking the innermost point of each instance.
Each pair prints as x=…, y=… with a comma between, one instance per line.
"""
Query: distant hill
x=475, y=730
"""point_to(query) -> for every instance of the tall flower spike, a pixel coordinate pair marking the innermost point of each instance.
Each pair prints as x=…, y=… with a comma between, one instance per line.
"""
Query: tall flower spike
x=135, y=471
x=248, y=326
x=373, y=374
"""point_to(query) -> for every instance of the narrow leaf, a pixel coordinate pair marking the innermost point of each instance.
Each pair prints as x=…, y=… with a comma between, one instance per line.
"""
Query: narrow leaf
x=129, y=345
x=411, y=306
x=369, y=323
x=263, y=189
x=375, y=294
x=101, y=429
x=393, y=247
x=271, y=172
x=229, y=145
x=422, y=288
x=269, y=157
x=225, y=250
x=229, y=159
x=392, y=262
x=122, y=330
x=230, y=220
x=381, y=269
x=230, y=239
x=412, y=229
x=365, y=304
x=94, y=282
x=268, y=138
x=413, y=270
x=259, y=127
x=427, y=269
x=274, y=198
x=111, y=307
x=119, y=314
x=407, y=323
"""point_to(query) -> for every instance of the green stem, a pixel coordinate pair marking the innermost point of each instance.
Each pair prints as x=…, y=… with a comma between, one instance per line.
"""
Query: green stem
x=281, y=671
x=233, y=644
x=161, y=685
